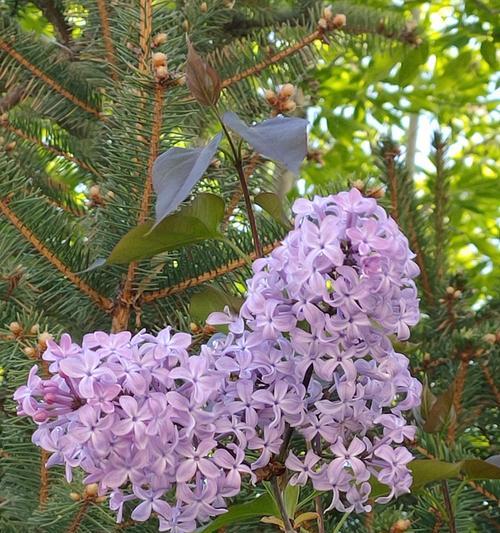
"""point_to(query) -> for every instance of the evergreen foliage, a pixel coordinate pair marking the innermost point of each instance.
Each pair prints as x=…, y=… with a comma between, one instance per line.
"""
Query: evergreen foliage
x=84, y=114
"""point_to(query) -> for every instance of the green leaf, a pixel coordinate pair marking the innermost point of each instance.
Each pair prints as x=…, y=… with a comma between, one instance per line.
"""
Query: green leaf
x=291, y=498
x=272, y=204
x=262, y=506
x=479, y=469
x=411, y=63
x=427, y=471
x=488, y=51
x=194, y=223
x=211, y=299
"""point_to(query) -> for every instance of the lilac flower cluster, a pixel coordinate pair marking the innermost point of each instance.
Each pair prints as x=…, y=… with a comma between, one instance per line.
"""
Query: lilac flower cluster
x=137, y=412
x=310, y=351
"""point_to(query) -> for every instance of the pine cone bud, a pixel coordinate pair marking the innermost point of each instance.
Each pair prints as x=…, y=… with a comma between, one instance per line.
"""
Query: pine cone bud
x=287, y=90
x=91, y=490
x=30, y=352
x=34, y=330
x=339, y=21
x=159, y=59
x=289, y=106
x=16, y=328
x=328, y=13
x=161, y=73
x=159, y=39
x=185, y=25
x=490, y=338
x=43, y=338
x=322, y=23
x=450, y=290
x=100, y=499
x=75, y=496
x=400, y=526
x=10, y=146
x=203, y=7
x=270, y=96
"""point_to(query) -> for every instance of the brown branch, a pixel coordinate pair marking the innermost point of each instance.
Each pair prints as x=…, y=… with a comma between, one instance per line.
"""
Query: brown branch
x=203, y=278
x=448, y=506
x=43, y=494
x=491, y=382
x=276, y=58
x=56, y=18
x=52, y=149
x=390, y=163
x=12, y=98
x=75, y=525
x=53, y=84
x=106, y=37
x=104, y=303
x=125, y=303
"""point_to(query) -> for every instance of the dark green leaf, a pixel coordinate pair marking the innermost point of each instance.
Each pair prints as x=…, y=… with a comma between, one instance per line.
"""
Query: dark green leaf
x=272, y=204
x=429, y=470
x=291, y=498
x=411, y=63
x=262, y=506
x=489, y=53
x=194, y=223
x=478, y=469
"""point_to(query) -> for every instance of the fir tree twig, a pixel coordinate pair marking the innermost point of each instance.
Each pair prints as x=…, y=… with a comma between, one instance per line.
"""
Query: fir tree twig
x=53, y=84
x=12, y=97
x=106, y=37
x=75, y=525
x=150, y=297
x=101, y=301
x=48, y=147
x=56, y=18
x=43, y=493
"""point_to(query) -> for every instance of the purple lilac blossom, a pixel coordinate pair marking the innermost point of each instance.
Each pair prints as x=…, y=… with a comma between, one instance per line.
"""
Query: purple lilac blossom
x=173, y=434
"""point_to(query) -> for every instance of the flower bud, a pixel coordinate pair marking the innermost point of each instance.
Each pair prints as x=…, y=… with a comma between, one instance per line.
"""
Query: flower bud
x=287, y=90
x=75, y=496
x=450, y=290
x=203, y=7
x=270, y=96
x=161, y=73
x=289, y=106
x=159, y=39
x=159, y=59
x=15, y=328
x=339, y=21
x=328, y=13
x=490, y=338
x=322, y=23
x=30, y=352
x=43, y=338
x=91, y=490
x=185, y=25
x=100, y=499
x=35, y=329
x=10, y=146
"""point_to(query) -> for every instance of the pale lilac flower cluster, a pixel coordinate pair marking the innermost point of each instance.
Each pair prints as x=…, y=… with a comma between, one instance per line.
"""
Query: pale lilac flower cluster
x=310, y=350
x=136, y=413
x=318, y=315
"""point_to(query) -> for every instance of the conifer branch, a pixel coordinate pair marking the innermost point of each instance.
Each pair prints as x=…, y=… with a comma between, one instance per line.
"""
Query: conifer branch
x=203, y=278
x=53, y=84
x=440, y=205
x=491, y=382
x=106, y=37
x=101, y=301
x=389, y=153
x=275, y=58
x=121, y=313
x=75, y=525
x=49, y=148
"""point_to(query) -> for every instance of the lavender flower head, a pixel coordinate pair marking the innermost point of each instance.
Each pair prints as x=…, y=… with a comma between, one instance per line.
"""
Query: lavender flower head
x=311, y=350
